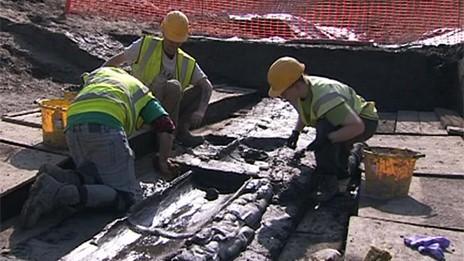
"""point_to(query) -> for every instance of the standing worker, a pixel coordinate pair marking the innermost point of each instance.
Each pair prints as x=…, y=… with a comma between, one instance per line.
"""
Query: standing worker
x=111, y=105
x=340, y=116
x=174, y=76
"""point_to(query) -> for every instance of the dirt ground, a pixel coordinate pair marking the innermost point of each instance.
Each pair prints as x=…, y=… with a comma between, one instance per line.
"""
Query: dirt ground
x=34, y=58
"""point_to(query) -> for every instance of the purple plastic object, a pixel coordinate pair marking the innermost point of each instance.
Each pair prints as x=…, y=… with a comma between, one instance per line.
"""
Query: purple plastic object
x=433, y=246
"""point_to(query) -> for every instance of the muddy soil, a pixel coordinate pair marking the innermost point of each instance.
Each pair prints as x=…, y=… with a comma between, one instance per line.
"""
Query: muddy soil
x=40, y=51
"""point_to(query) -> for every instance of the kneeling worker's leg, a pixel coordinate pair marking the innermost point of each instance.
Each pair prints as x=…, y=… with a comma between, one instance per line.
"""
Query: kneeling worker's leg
x=45, y=195
x=189, y=105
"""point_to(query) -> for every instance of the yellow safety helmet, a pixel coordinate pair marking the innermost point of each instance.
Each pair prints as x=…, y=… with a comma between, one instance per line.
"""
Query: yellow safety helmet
x=283, y=73
x=175, y=27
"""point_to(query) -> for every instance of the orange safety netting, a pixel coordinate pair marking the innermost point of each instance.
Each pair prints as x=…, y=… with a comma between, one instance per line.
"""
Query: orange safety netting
x=365, y=21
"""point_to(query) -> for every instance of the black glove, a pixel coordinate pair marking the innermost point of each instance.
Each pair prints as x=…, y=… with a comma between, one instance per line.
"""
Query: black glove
x=323, y=128
x=293, y=139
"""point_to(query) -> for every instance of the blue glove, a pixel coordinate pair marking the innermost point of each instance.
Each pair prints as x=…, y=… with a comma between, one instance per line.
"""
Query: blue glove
x=434, y=250
x=416, y=241
x=431, y=245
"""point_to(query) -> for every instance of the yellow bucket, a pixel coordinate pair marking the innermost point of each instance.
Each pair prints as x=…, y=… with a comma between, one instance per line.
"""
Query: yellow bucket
x=54, y=119
x=389, y=171
x=69, y=93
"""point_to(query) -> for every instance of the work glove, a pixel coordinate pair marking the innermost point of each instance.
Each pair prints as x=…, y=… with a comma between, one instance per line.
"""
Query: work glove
x=164, y=124
x=323, y=128
x=429, y=245
x=293, y=139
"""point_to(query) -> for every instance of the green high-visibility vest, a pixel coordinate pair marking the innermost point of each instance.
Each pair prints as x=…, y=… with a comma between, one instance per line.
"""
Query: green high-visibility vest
x=326, y=95
x=114, y=92
x=148, y=64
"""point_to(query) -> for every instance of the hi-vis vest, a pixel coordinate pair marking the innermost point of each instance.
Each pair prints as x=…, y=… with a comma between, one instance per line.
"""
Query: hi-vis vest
x=148, y=64
x=326, y=95
x=114, y=92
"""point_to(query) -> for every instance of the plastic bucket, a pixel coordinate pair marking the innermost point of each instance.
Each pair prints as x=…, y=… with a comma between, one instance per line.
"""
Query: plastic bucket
x=54, y=116
x=389, y=171
x=70, y=92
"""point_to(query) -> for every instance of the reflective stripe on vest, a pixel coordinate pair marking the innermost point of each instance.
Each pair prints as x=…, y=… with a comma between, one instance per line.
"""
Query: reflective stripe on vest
x=325, y=99
x=148, y=66
x=99, y=94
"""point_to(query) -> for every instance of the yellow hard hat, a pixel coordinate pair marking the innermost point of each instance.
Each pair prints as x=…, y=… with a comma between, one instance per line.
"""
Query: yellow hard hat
x=175, y=26
x=283, y=73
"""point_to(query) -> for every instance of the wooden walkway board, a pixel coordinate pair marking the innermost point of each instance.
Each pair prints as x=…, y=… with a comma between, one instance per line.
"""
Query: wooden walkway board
x=32, y=119
x=430, y=124
x=443, y=154
x=19, y=165
x=407, y=122
x=435, y=202
x=25, y=136
x=365, y=232
x=387, y=123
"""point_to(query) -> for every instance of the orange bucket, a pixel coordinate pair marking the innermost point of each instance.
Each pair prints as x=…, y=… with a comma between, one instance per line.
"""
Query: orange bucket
x=389, y=171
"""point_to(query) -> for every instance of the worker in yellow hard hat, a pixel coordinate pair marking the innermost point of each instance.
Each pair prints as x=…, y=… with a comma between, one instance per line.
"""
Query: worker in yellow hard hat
x=343, y=120
x=174, y=77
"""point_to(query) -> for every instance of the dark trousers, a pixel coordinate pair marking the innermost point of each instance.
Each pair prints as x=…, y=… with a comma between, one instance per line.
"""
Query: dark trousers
x=341, y=159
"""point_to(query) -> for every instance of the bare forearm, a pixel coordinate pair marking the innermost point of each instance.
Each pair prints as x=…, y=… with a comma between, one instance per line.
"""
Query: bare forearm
x=116, y=60
x=299, y=125
x=165, y=145
x=207, y=89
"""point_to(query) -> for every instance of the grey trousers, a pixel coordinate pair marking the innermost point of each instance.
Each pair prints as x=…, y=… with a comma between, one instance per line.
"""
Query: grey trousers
x=111, y=160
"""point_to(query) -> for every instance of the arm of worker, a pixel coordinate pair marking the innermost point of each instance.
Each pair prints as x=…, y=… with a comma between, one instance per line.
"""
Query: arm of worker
x=155, y=114
x=126, y=57
x=351, y=124
x=207, y=89
x=116, y=61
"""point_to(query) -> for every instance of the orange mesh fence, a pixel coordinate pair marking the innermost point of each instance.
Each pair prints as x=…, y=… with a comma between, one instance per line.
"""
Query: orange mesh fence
x=365, y=21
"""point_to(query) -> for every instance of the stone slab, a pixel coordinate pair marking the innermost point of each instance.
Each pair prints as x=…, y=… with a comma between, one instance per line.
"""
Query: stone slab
x=19, y=165
x=364, y=232
x=443, y=154
x=436, y=202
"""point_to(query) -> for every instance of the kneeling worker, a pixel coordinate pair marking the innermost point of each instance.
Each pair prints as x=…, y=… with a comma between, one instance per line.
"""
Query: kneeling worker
x=111, y=105
x=174, y=76
x=340, y=116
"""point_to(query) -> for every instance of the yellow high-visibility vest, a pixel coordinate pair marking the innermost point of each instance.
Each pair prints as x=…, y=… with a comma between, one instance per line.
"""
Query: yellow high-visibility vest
x=326, y=95
x=114, y=92
x=148, y=64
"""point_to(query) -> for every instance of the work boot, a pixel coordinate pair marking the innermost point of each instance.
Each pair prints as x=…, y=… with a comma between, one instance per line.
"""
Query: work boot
x=189, y=140
x=326, y=189
x=44, y=197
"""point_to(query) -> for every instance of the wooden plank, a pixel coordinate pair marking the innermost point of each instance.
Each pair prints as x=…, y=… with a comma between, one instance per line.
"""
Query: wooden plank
x=443, y=154
x=19, y=165
x=455, y=131
x=19, y=113
x=407, y=122
x=387, y=123
x=430, y=124
x=435, y=202
x=449, y=118
x=25, y=136
x=365, y=232
x=33, y=119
